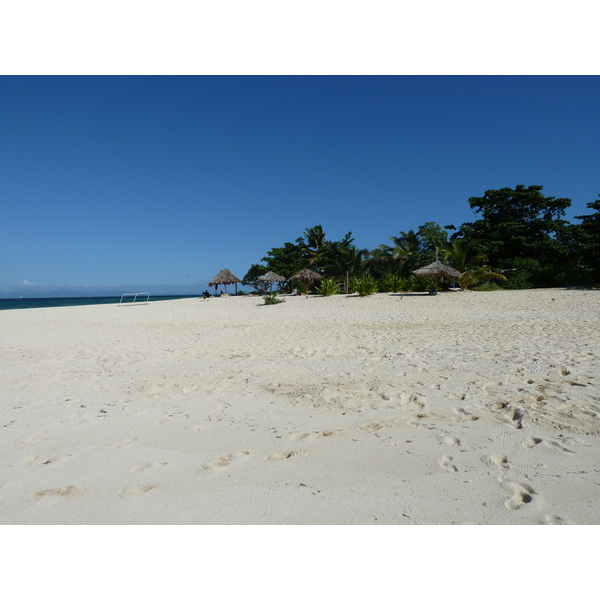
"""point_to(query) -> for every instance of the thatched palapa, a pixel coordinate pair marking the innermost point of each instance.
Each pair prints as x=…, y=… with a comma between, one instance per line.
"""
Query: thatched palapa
x=307, y=276
x=438, y=271
x=272, y=278
x=225, y=278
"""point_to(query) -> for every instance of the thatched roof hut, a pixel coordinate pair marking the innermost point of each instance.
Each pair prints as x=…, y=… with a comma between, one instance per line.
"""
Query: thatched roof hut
x=272, y=277
x=307, y=276
x=438, y=271
x=224, y=277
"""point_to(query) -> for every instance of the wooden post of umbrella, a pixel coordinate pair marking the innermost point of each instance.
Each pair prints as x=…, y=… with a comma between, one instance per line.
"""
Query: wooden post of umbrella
x=435, y=285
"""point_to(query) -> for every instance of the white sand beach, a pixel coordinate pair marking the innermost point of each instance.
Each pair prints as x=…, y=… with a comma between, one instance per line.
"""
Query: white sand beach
x=460, y=408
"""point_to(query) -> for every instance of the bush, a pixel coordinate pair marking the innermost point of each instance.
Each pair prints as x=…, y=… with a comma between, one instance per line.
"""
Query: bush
x=365, y=286
x=421, y=284
x=272, y=300
x=487, y=287
x=327, y=287
x=299, y=286
x=391, y=283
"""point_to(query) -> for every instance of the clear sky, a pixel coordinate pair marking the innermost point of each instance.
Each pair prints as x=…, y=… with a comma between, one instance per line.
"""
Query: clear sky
x=154, y=181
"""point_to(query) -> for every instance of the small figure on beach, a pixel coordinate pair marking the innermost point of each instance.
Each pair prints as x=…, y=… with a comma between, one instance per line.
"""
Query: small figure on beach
x=206, y=294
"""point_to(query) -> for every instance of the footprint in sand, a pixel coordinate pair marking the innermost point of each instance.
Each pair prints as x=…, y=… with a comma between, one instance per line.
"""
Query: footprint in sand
x=373, y=426
x=531, y=441
x=138, y=490
x=145, y=466
x=522, y=494
x=226, y=460
x=411, y=401
x=285, y=455
x=450, y=440
x=126, y=442
x=315, y=435
x=553, y=520
x=60, y=492
x=464, y=415
x=513, y=418
x=446, y=462
x=556, y=446
x=497, y=460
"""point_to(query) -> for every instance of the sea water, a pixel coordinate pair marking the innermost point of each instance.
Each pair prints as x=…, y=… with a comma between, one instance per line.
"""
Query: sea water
x=18, y=303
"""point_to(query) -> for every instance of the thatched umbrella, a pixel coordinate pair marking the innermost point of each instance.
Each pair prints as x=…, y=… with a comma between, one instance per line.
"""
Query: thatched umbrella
x=438, y=271
x=224, y=277
x=307, y=276
x=272, y=277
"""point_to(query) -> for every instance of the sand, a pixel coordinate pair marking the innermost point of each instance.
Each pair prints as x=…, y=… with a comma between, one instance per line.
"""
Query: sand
x=461, y=408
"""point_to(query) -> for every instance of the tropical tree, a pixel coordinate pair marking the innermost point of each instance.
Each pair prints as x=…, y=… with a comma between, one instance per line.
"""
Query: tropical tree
x=286, y=261
x=354, y=260
x=252, y=277
x=519, y=223
x=586, y=244
x=315, y=242
x=406, y=251
x=462, y=254
x=479, y=275
x=432, y=237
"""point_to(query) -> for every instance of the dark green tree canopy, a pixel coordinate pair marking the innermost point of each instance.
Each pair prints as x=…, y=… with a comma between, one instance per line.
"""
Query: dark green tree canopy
x=519, y=232
x=517, y=223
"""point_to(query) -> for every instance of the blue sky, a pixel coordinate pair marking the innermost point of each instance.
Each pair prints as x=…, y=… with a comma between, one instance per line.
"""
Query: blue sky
x=163, y=181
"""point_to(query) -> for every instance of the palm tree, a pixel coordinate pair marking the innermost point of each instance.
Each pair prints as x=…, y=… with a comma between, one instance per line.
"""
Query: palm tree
x=463, y=254
x=406, y=249
x=355, y=259
x=315, y=242
x=478, y=275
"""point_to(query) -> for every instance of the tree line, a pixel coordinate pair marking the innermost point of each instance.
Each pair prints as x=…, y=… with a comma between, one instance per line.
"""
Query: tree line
x=520, y=240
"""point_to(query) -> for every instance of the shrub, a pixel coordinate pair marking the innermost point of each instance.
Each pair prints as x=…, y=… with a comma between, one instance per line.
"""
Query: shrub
x=327, y=287
x=487, y=287
x=421, y=284
x=390, y=283
x=365, y=286
x=272, y=300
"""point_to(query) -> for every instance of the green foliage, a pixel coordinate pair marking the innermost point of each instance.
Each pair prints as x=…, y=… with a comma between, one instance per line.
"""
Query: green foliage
x=390, y=283
x=523, y=277
x=421, y=284
x=519, y=232
x=478, y=275
x=586, y=246
x=487, y=287
x=353, y=260
x=299, y=286
x=432, y=236
x=364, y=286
x=327, y=287
x=462, y=254
x=286, y=261
x=519, y=223
x=315, y=242
x=403, y=257
x=269, y=300
x=252, y=277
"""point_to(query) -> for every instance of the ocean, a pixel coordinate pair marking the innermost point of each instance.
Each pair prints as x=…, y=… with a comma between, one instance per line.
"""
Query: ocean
x=21, y=303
